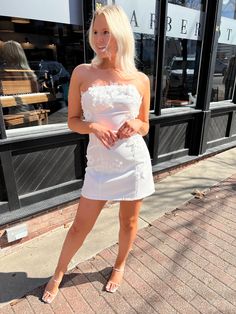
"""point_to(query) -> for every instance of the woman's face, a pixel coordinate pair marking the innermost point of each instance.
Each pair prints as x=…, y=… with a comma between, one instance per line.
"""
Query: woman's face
x=104, y=43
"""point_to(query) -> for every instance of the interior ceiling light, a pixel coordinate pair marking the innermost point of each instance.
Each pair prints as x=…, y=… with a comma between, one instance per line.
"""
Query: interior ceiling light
x=20, y=20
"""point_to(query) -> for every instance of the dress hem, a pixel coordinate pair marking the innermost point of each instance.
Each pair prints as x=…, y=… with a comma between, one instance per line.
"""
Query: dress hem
x=97, y=198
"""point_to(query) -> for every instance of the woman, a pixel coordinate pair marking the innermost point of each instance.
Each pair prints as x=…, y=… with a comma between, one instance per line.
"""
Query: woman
x=109, y=100
x=16, y=77
x=15, y=68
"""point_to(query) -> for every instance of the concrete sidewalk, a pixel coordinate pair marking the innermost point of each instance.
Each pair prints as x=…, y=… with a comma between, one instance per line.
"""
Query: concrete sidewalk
x=165, y=270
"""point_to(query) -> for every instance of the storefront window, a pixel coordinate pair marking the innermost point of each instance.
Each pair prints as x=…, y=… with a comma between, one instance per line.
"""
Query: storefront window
x=182, y=53
x=37, y=59
x=225, y=67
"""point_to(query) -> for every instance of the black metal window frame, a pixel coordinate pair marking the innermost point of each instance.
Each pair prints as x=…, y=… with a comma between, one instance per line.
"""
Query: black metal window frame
x=212, y=12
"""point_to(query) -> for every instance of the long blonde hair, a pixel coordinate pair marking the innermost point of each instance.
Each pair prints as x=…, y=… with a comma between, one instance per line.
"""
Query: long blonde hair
x=119, y=27
x=14, y=55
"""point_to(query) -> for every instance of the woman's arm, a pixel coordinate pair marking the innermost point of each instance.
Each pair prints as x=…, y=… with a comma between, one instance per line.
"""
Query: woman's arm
x=75, y=113
x=75, y=122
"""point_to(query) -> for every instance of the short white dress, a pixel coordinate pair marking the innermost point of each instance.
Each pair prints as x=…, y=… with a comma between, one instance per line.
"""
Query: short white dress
x=124, y=171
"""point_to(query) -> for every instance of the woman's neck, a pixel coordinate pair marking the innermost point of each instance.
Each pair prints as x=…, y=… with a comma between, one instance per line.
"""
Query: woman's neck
x=108, y=64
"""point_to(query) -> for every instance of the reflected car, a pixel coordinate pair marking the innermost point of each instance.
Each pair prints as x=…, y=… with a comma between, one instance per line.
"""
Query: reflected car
x=180, y=78
x=221, y=67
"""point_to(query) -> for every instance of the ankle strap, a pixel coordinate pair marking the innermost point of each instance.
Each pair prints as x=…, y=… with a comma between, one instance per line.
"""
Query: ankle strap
x=58, y=281
x=118, y=270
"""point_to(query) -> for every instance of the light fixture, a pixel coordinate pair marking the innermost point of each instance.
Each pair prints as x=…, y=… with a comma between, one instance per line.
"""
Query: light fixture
x=52, y=46
x=19, y=20
x=27, y=44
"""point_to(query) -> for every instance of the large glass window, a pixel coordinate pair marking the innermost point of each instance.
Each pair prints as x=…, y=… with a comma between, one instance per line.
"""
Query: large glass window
x=225, y=66
x=37, y=58
x=182, y=53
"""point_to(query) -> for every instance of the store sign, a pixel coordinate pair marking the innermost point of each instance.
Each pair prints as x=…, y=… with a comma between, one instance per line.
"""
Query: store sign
x=61, y=11
x=182, y=22
x=227, y=31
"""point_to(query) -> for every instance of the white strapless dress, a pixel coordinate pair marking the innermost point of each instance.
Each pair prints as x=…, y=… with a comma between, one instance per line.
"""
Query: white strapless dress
x=124, y=171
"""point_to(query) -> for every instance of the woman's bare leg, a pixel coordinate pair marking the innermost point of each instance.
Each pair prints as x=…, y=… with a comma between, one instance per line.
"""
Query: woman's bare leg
x=129, y=212
x=85, y=218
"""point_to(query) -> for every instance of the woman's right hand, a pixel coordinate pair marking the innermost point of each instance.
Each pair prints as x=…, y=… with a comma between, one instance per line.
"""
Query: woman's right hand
x=106, y=136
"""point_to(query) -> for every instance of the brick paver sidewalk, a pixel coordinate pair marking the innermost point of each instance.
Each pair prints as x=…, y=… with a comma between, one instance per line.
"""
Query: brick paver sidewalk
x=185, y=262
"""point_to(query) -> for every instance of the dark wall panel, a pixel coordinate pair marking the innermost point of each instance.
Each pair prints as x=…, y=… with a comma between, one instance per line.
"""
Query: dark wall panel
x=233, y=126
x=173, y=138
x=42, y=169
x=217, y=127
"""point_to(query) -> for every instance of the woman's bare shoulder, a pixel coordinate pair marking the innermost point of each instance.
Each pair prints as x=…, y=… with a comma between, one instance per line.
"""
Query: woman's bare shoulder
x=142, y=82
x=82, y=73
x=143, y=78
x=83, y=68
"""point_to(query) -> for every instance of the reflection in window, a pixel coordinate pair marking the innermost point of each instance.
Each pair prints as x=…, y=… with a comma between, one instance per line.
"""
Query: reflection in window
x=34, y=91
x=193, y=4
x=182, y=53
x=225, y=66
x=145, y=50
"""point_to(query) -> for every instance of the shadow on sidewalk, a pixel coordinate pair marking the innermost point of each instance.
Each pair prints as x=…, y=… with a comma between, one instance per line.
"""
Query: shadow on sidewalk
x=11, y=283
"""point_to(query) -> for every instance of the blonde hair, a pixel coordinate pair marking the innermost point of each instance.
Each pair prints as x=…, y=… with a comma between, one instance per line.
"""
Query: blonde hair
x=120, y=29
x=14, y=55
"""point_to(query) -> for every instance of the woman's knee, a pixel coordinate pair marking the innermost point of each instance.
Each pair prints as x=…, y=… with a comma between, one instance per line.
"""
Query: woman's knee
x=79, y=229
x=128, y=224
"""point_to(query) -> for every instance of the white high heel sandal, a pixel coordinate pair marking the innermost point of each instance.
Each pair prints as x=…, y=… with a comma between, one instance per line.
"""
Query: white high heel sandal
x=112, y=286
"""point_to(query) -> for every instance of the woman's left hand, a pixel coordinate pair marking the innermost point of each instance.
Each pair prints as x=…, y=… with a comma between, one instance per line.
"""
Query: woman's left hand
x=129, y=128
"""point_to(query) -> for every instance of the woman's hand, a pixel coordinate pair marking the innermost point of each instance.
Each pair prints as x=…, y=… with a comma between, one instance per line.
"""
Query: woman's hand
x=129, y=128
x=106, y=136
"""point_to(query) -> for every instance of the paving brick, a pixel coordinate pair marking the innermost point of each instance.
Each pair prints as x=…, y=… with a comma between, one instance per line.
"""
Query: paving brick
x=211, y=282
x=213, y=204
x=224, y=307
x=163, y=262
x=143, y=233
x=116, y=301
x=186, y=243
x=233, y=285
x=91, y=295
x=211, y=226
x=229, y=202
x=60, y=306
x=7, y=309
x=213, y=258
x=219, y=274
x=230, y=258
x=74, y=298
x=218, y=215
x=177, y=222
x=136, y=300
x=22, y=307
x=209, y=295
x=204, y=306
x=145, y=288
x=34, y=299
x=163, y=289
x=231, y=270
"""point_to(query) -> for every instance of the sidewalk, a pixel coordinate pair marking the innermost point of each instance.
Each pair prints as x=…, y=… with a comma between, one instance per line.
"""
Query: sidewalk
x=183, y=261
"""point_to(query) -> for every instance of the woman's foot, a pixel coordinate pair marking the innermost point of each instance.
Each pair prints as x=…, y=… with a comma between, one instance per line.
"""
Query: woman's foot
x=115, y=280
x=51, y=290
